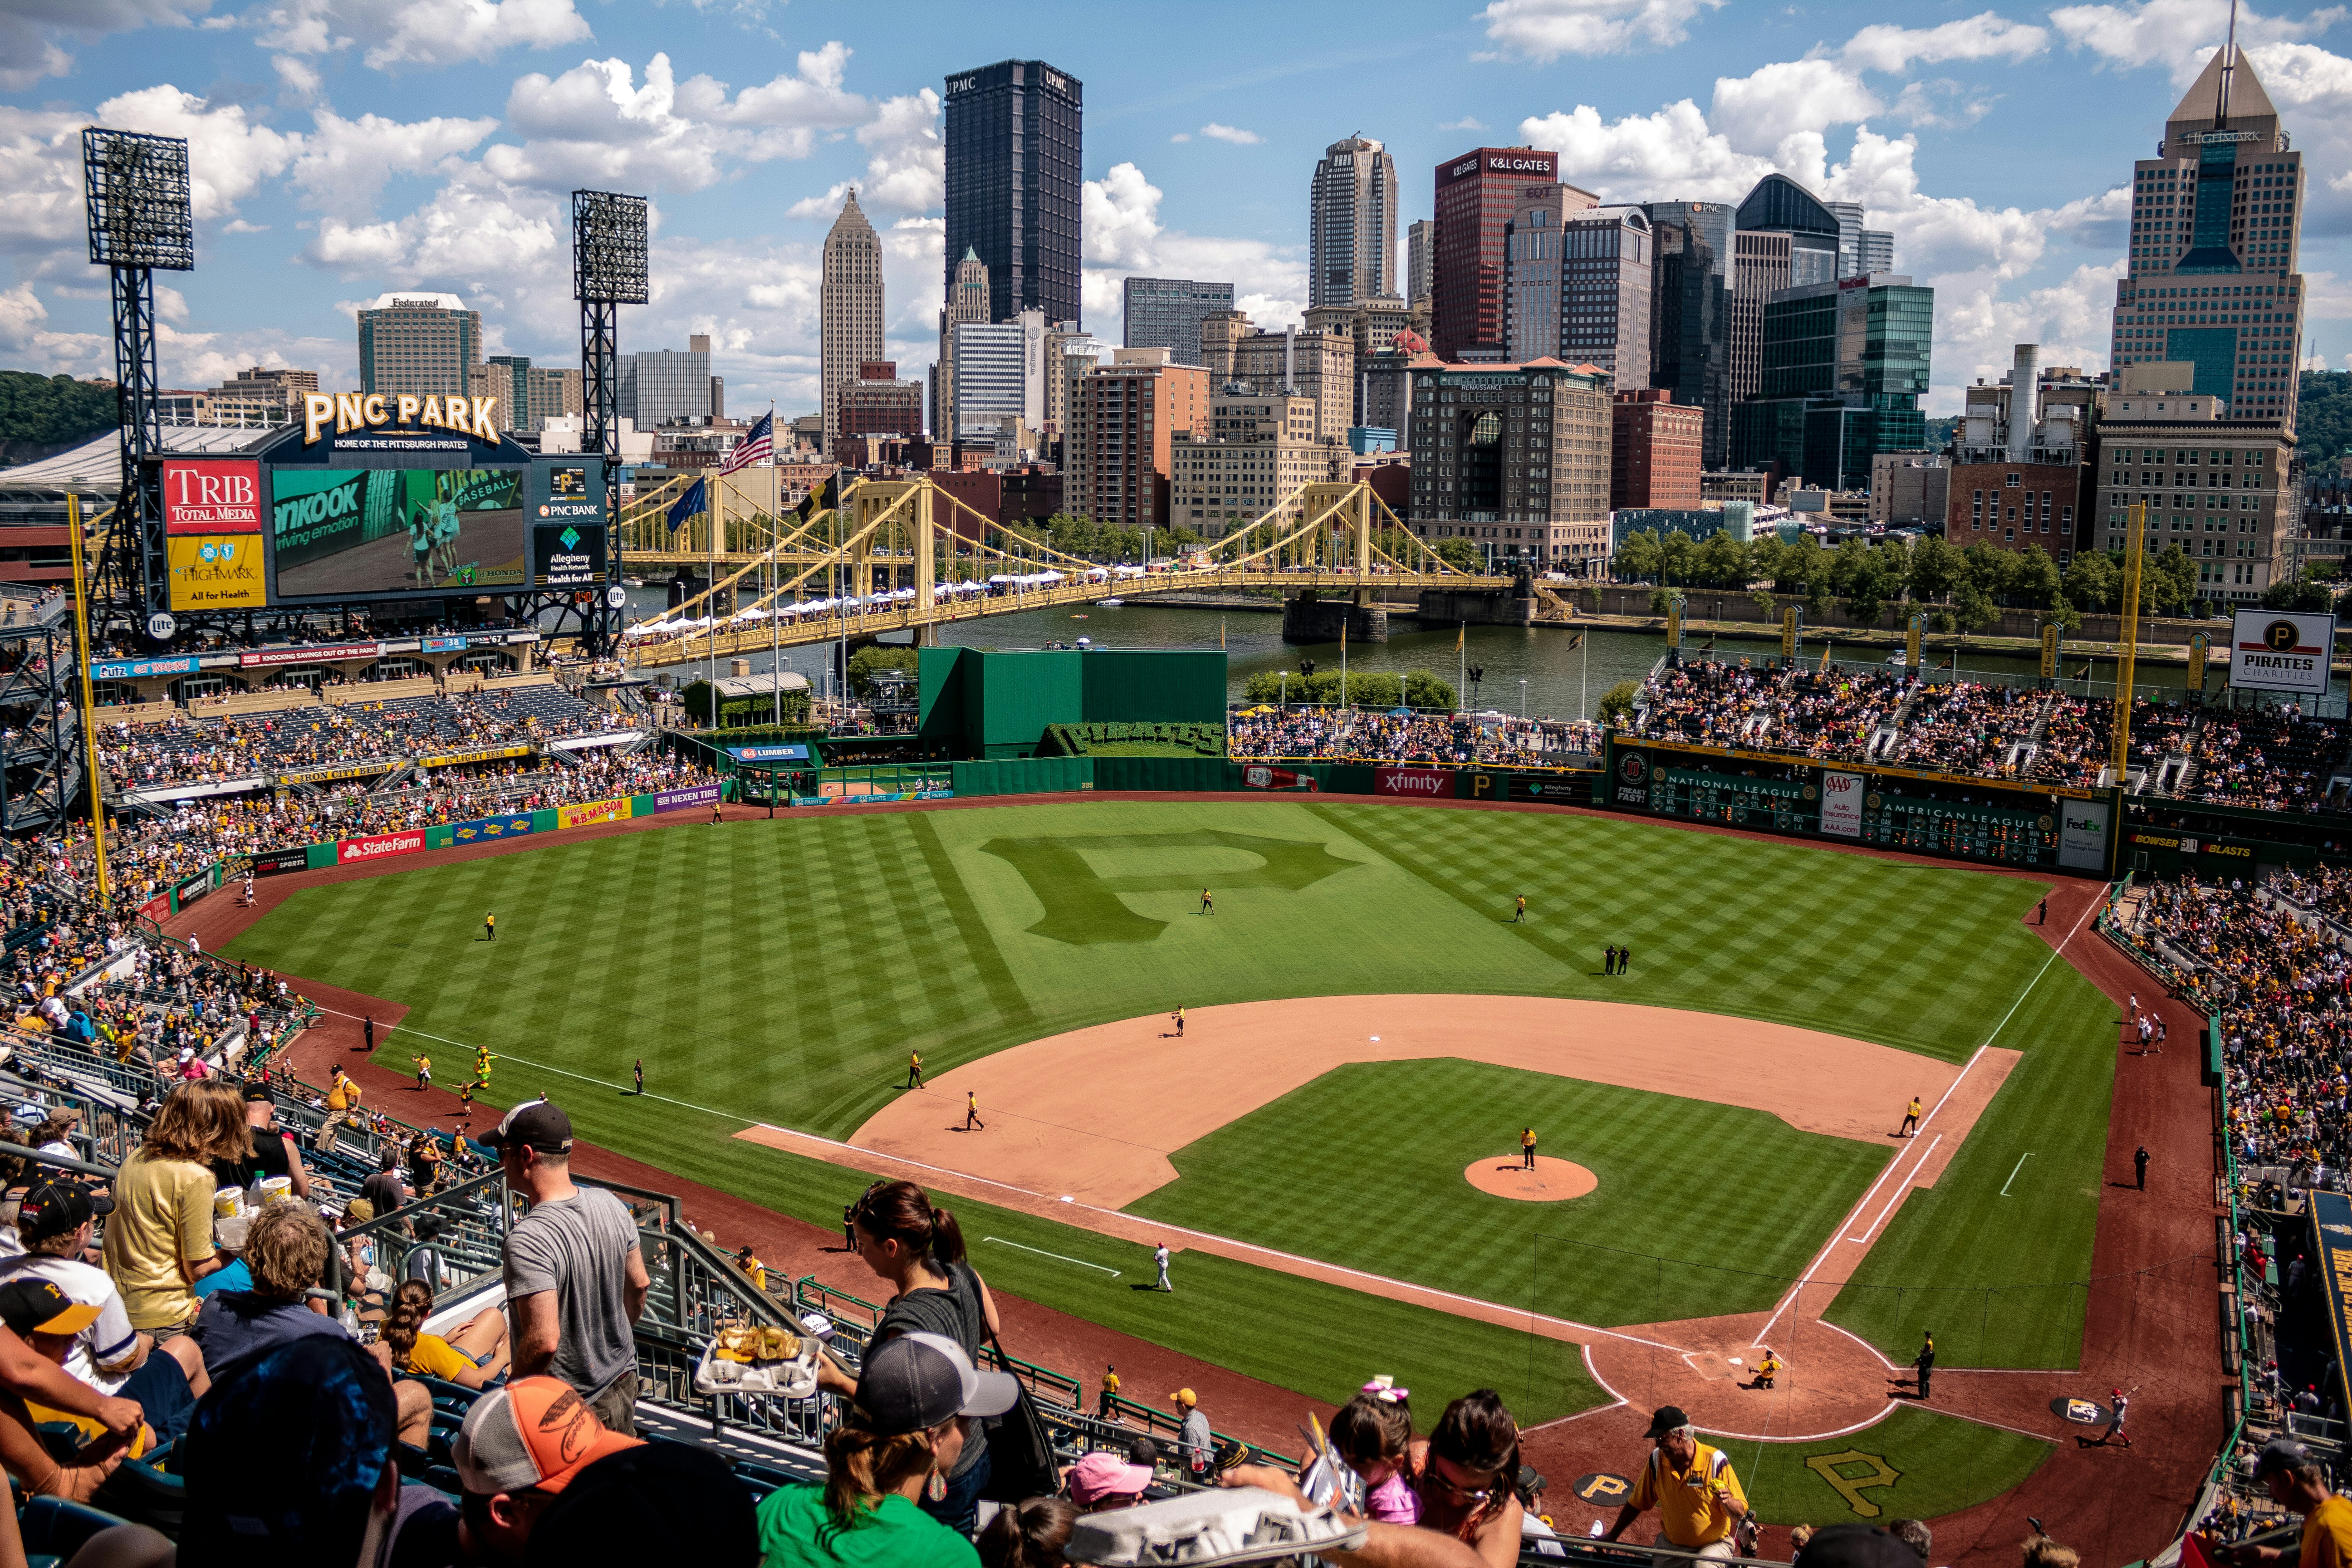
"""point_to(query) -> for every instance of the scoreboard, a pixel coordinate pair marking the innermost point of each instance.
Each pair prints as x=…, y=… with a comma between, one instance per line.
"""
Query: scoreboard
x=1737, y=800
x=2006, y=836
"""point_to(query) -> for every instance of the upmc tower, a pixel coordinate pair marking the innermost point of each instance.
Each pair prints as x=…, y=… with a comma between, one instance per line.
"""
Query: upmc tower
x=1013, y=185
x=1474, y=206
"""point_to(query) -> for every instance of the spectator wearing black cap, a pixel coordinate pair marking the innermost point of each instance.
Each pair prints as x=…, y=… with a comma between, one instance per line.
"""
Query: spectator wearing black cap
x=54, y=1221
x=45, y=1318
x=2295, y=1480
x=274, y=1152
x=917, y=1395
x=661, y=1501
x=575, y=1279
x=1691, y=1486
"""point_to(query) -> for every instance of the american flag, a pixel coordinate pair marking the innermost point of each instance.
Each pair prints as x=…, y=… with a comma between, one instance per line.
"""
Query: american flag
x=758, y=447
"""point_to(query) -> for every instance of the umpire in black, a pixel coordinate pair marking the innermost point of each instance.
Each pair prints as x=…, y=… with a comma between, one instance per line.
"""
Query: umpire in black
x=1925, y=1362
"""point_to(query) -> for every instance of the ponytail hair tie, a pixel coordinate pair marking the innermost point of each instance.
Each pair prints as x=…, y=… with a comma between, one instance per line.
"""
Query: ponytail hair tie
x=1384, y=1389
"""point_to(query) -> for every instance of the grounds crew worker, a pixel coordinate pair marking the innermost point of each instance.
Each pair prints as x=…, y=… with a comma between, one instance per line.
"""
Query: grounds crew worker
x=1698, y=1498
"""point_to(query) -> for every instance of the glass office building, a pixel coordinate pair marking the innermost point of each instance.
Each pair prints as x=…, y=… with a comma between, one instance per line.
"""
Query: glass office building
x=1013, y=184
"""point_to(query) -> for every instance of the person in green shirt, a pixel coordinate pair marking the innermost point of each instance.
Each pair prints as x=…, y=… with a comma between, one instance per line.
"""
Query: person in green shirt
x=916, y=1396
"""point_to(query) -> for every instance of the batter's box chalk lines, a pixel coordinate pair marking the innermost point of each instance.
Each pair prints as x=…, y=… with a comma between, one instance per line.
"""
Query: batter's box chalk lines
x=1055, y=1256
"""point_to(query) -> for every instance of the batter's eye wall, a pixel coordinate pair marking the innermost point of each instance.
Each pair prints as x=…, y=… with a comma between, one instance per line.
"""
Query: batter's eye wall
x=985, y=703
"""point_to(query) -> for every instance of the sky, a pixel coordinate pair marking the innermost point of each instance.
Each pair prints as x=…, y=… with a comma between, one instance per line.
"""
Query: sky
x=343, y=149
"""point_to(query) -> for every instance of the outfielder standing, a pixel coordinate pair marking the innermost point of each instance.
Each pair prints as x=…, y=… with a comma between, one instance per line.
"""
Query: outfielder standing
x=1159, y=1259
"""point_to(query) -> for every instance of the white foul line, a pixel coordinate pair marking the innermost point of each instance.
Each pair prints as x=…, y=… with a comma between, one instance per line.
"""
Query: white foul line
x=1900, y=1188
x=1855, y=1212
x=1055, y=1256
x=2014, y=1170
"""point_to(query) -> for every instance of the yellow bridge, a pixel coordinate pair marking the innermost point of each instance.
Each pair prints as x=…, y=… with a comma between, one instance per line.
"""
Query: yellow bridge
x=935, y=558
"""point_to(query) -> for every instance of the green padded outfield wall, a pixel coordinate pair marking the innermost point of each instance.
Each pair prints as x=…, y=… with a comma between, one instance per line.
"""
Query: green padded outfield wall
x=995, y=703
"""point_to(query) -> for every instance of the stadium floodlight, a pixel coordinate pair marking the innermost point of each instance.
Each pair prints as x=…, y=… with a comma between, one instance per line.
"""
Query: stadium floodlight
x=608, y=249
x=137, y=187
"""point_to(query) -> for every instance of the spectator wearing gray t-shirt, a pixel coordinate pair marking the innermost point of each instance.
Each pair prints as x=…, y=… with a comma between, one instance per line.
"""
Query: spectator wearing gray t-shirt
x=575, y=1281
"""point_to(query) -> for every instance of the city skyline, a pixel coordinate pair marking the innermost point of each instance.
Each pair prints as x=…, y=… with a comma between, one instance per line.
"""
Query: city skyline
x=343, y=154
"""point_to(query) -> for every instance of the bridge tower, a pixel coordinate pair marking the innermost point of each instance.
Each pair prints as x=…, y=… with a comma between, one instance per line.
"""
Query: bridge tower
x=895, y=516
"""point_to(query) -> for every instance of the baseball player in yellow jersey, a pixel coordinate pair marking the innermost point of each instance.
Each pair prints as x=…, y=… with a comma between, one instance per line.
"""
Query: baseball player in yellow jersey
x=424, y=1073
x=1527, y=1148
x=1109, y=1391
x=1179, y=1016
x=490, y=928
x=914, y=1069
x=971, y=1112
x=1768, y=1367
x=1691, y=1484
x=1910, y=1128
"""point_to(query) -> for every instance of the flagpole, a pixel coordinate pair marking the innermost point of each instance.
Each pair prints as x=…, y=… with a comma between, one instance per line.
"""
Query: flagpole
x=775, y=538
x=710, y=604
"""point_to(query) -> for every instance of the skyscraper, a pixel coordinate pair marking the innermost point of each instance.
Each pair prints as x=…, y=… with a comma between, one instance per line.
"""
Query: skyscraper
x=1167, y=312
x=665, y=387
x=967, y=301
x=2213, y=283
x=424, y=345
x=1605, y=285
x=1351, y=225
x=1844, y=365
x=1013, y=184
x=1476, y=194
x=849, y=307
x=1419, y=251
x=1785, y=239
x=1690, y=314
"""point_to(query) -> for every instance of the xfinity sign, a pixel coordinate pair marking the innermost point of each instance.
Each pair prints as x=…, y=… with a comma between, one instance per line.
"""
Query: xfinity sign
x=2280, y=650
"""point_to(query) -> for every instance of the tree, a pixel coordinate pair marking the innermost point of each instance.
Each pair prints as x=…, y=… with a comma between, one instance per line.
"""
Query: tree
x=53, y=410
x=1769, y=606
x=1676, y=554
x=867, y=661
x=2092, y=581
x=1894, y=560
x=2299, y=592
x=1617, y=702
x=1973, y=609
x=1858, y=575
x=2168, y=582
x=2033, y=578
x=2068, y=618
x=1722, y=562
x=1935, y=567
x=1661, y=601
x=1422, y=689
x=1639, y=556
x=1989, y=568
x=1457, y=553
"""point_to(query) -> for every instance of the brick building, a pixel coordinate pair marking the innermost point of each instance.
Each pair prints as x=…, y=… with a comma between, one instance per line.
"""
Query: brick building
x=1654, y=451
x=1514, y=458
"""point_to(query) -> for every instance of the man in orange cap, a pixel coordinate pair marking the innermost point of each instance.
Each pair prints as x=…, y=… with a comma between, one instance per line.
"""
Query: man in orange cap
x=519, y=1447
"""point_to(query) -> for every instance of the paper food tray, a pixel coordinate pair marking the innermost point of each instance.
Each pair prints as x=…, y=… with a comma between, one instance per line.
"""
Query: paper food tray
x=794, y=1379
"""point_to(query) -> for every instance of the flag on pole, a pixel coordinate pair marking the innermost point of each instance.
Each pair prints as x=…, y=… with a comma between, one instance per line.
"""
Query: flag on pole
x=695, y=501
x=758, y=447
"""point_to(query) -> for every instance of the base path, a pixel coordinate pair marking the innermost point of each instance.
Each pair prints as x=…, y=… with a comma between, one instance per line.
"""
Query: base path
x=1094, y=1114
x=1550, y=1182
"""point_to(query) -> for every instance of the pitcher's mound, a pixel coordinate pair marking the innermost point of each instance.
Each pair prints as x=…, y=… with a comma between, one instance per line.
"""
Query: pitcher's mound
x=1552, y=1180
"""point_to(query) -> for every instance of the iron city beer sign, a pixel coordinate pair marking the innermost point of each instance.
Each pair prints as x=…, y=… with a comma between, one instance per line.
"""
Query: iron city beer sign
x=347, y=411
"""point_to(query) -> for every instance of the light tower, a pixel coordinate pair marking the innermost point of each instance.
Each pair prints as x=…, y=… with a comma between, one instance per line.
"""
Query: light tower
x=608, y=270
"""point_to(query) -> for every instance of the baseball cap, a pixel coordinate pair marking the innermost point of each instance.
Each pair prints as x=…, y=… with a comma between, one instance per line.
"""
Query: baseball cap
x=2281, y=1454
x=55, y=1208
x=1664, y=1419
x=1100, y=1475
x=534, y=1124
x=917, y=1381
x=257, y=1092
x=33, y=1305
x=1856, y=1546
x=1185, y=1396
x=534, y=1432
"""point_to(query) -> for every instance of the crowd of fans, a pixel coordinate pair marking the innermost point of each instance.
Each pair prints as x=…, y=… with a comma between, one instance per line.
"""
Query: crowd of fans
x=186, y=749
x=1966, y=727
x=2277, y=760
x=1372, y=735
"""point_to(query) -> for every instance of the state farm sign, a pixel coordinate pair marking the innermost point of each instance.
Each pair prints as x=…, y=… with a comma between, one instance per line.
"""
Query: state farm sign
x=1429, y=783
x=353, y=850
x=210, y=497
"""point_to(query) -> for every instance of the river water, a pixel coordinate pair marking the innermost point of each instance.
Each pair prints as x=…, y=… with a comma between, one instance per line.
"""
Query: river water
x=1539, y=670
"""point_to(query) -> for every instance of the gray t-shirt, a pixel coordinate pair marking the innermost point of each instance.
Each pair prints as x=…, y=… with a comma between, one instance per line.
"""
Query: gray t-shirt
x=579, y=1248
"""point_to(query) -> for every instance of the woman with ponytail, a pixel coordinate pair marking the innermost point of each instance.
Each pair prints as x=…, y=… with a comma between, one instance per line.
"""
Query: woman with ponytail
x=1029, y=1534
x=474, y=1357
x=918, y=1249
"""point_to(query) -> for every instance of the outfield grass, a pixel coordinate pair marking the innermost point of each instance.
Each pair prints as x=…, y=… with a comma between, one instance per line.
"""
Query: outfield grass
x=1365, y=1156
x=779, y=971
x=1941, y=1464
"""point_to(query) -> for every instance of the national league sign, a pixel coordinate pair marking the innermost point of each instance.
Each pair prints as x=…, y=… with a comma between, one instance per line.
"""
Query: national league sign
x=2280, y=650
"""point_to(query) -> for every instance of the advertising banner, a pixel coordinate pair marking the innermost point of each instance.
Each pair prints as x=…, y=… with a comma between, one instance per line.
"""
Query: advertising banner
x=352, y=851
x=2331, y=1231
x=279, y=861
x=212, y=495
x=2082, y=835
x=386, y=531
x=480, y=754
x=1629, y=780
x=586, y=812
x=514, y=824
x=1256, y=776
x=217, y=571
x=679, y=799
x=570, y=555
x=1841, y=797
x=1428, y=783
x=2280, y=650
x=324, y=653
x=335, y=775
x=158, y=907
x=138, y=668
x=769, y=753
x=442, y=645
x=195, y=887
x=1481, y=784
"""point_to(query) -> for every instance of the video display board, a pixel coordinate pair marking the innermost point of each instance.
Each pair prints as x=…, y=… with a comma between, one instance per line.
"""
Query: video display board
x=339, y=533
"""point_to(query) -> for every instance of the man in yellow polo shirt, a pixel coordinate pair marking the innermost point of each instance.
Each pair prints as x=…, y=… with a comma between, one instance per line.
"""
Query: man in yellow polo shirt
x=2295, y=1480
x=1698, y=1498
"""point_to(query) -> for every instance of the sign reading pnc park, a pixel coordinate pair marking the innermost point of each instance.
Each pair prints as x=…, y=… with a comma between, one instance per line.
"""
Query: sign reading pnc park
x=345, y=412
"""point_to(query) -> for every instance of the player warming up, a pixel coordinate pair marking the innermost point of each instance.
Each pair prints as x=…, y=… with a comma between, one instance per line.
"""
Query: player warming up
x=424, y=1073
x=1519, y=911
x=639, y=1069
x=1526, y=1148
x=914, y=1069
x=490, y=928
x=1208, y=902
x=1910, y=1128
x=971, y=1112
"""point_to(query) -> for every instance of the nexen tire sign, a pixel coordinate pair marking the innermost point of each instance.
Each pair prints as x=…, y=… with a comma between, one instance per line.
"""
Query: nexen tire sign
x=2280, y=650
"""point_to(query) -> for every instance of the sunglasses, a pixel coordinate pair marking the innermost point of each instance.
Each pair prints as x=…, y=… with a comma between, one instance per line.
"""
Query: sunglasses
x=1434, y=1479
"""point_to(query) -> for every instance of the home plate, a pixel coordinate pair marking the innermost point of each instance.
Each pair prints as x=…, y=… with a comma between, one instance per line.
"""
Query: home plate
x=1736, y=1361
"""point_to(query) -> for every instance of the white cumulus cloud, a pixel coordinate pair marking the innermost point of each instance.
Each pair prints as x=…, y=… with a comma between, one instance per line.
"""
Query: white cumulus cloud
x=418, y=34
x=28, y=29
x=1886, y=47
x=1544, y=30
x=1239, y=138
x=1123, y=235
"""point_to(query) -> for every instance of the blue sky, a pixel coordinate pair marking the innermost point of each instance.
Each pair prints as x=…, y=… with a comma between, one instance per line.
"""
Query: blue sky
x=345, y=148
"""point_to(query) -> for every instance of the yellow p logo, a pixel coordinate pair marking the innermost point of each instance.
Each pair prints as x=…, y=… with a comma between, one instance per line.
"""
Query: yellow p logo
x=1874, y=1473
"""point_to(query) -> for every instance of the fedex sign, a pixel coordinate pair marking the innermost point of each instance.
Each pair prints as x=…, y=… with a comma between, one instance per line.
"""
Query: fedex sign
x=211, y=496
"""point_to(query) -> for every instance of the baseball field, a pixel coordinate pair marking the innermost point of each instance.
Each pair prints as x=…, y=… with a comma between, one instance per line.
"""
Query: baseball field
x=1365, y=1024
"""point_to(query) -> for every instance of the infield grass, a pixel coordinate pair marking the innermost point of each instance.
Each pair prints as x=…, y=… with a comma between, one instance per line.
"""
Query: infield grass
x=1367, y=1156
x=1939, y=1465
x=779, y=972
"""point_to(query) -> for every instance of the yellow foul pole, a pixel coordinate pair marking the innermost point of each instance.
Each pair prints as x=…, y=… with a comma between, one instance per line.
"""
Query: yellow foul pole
x=89, y=700
x=2134, y=553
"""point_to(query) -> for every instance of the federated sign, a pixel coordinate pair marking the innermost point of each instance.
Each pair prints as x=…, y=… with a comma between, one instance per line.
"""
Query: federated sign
x=586, y=812
x=2282, y=650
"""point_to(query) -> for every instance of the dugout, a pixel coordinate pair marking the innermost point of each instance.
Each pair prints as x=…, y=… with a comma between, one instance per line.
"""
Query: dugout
x=997, y=703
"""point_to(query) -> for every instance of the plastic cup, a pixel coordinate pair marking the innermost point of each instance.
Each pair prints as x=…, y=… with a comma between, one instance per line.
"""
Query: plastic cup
x=227, y=1201
x=275, y=1189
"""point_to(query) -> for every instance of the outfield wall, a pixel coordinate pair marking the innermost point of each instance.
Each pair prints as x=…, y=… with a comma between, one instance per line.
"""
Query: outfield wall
x=447, y=834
